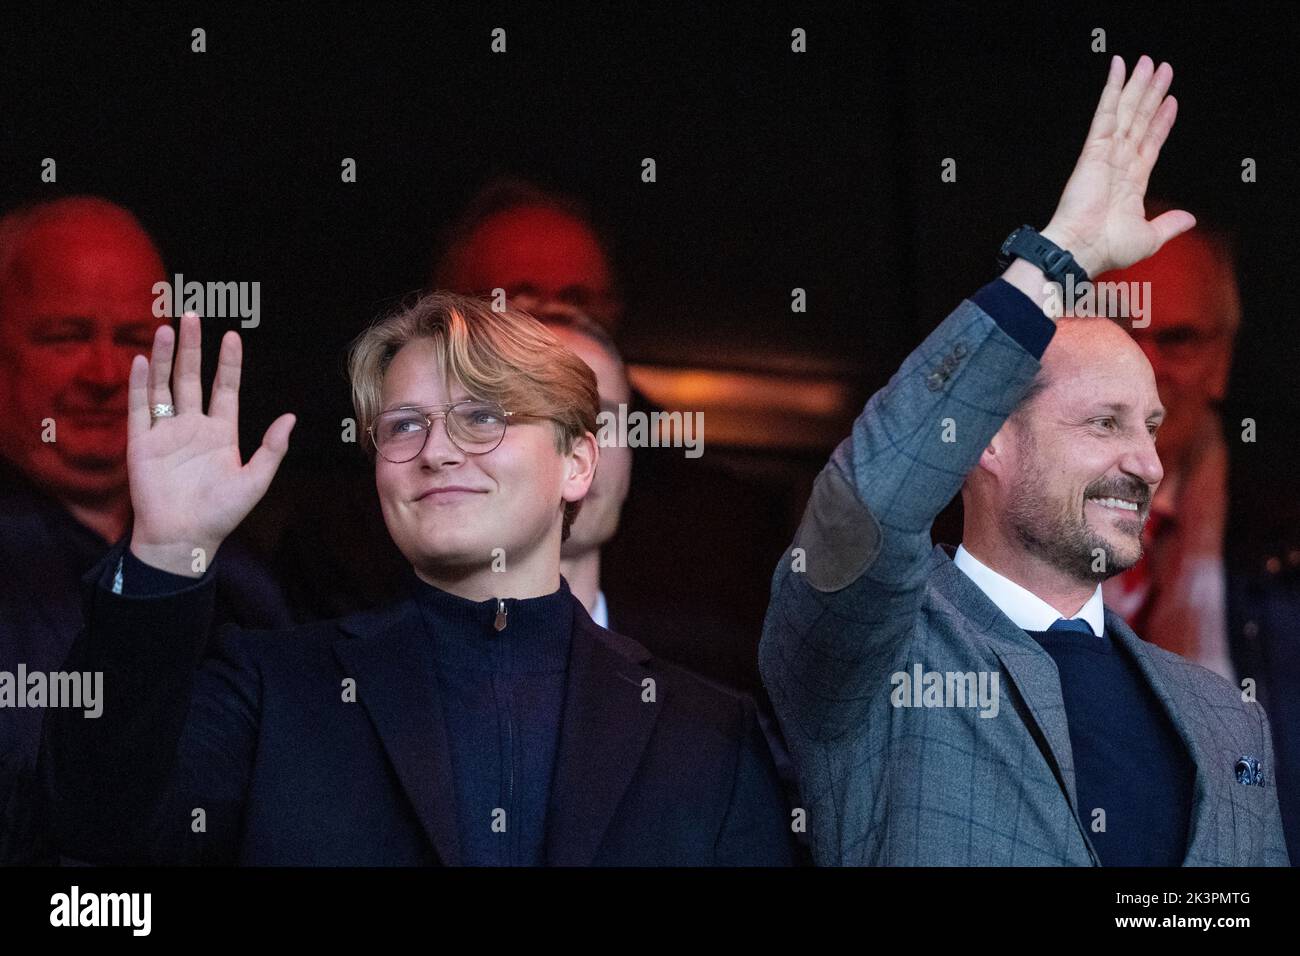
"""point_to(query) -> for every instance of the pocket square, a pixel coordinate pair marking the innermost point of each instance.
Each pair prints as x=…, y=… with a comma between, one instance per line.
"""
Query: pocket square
x=1249, y=772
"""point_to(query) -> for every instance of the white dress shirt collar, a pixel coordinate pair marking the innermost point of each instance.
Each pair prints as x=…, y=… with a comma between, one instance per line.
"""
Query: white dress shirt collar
x=1027, y=610
x=599, y=612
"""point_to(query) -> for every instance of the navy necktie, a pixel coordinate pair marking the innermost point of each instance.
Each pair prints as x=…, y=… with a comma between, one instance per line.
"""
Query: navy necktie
x=1073, y=624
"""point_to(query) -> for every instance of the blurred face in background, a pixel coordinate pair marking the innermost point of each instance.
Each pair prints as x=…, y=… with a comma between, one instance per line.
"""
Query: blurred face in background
x=1189, y=341
x=76, y=304
x=539, y=256
x=598, y=520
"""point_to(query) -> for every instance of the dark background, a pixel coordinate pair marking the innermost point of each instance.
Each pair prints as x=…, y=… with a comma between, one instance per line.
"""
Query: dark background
x=775, y=169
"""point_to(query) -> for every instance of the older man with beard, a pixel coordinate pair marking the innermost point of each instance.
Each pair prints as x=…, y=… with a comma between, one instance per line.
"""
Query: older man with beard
x=1086, y=745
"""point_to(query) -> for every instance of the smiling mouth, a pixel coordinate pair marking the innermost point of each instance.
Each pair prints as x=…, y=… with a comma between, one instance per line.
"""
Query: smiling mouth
x=1117, y=504
x=446, y=494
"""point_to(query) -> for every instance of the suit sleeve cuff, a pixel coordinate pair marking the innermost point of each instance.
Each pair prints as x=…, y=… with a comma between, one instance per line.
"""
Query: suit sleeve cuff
x=1017, y=315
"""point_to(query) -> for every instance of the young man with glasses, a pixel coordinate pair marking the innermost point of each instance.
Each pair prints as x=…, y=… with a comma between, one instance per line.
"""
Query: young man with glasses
x=482, y=720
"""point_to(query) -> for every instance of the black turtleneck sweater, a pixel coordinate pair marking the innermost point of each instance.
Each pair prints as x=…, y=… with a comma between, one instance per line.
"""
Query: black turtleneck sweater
x=502, y=697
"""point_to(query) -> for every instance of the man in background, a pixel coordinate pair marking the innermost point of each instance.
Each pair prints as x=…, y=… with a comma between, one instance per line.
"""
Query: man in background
x=542, y=248
x=76, y=303
x=1210, y=586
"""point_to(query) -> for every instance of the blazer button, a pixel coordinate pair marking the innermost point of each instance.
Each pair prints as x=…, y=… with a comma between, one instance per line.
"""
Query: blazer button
x=935, y=381
x=959, y=350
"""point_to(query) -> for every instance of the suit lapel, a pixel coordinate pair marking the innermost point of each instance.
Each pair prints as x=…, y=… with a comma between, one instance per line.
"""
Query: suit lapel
x=1202, y=838
x=1029, y=667
x=391, y=660
x=603, y=734
x=1034, y=673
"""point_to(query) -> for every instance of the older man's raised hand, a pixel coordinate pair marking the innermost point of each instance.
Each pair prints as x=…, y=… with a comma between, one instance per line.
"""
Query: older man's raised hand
x=1100, y=218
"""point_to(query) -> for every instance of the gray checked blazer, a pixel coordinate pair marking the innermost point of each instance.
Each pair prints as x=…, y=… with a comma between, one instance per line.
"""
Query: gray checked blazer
x=863, y=595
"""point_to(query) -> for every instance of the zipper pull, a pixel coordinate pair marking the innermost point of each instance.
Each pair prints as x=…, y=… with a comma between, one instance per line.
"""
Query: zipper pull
x=500, y=622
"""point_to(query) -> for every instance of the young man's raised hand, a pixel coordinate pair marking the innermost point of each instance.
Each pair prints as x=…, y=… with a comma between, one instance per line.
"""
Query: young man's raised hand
x=190, y=488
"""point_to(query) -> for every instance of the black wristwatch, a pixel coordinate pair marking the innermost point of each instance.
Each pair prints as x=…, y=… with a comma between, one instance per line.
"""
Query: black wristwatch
x=1026, y=243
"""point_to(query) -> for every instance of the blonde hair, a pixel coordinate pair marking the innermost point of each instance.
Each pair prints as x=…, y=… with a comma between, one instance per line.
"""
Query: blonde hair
x=506, y=357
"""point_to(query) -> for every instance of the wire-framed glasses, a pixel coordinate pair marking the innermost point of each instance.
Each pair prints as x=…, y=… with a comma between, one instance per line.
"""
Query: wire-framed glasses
x=475, y=427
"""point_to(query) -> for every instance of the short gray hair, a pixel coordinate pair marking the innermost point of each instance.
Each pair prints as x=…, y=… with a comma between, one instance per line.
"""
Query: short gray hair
x=21, y=220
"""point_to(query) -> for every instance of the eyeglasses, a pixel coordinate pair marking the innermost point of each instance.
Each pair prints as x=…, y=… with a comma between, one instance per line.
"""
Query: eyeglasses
x=476, y=428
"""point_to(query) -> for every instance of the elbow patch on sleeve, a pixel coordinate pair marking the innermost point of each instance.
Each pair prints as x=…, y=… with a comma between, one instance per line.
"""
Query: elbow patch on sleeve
x=838, y=535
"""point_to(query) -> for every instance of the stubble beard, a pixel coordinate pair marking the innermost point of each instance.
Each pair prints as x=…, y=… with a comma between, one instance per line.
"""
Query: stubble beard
x=1058, y=533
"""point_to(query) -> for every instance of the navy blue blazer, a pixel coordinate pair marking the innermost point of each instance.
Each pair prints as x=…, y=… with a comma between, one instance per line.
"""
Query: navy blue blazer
x=256, y=757
x=44, y=553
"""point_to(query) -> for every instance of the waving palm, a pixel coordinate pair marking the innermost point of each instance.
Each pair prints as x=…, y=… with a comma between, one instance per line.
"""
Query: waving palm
x=1100, y=216
x=189, y=485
